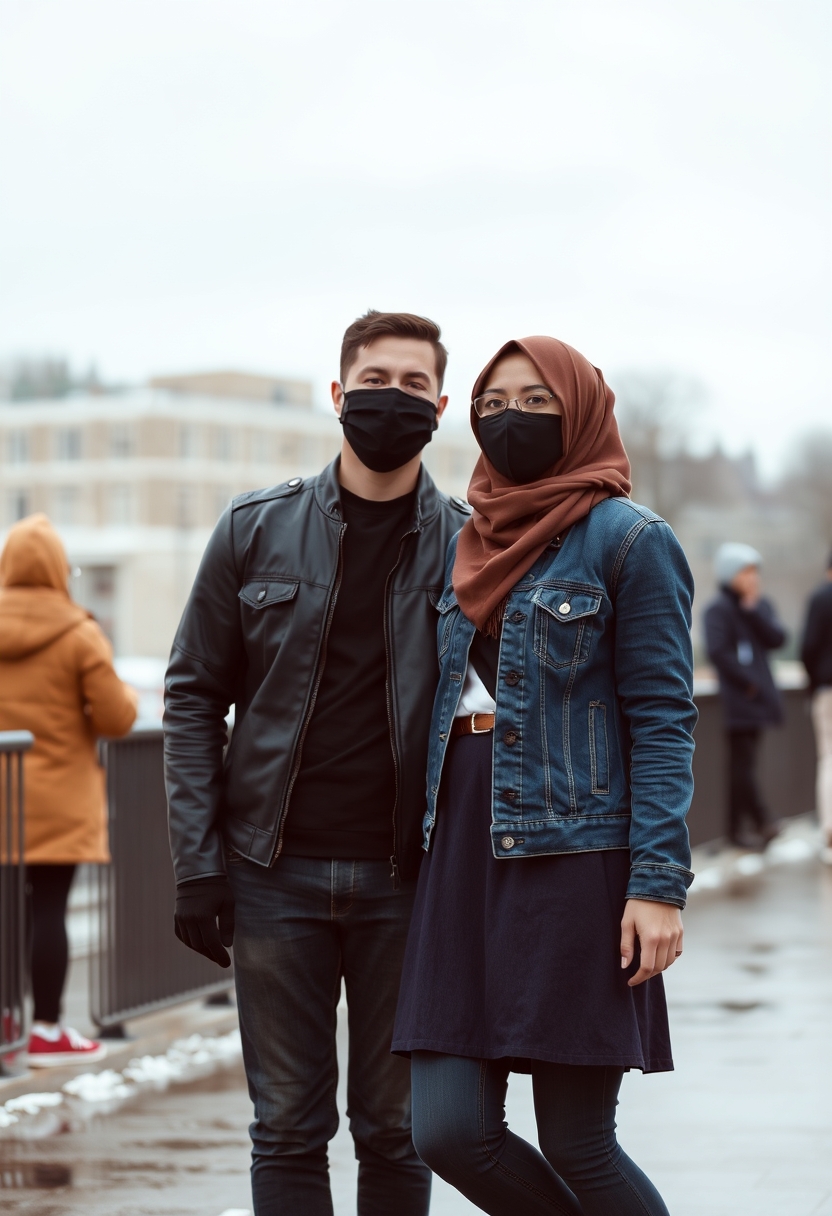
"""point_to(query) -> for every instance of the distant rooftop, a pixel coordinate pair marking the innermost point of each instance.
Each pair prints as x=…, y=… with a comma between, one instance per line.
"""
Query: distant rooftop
x=242, y=386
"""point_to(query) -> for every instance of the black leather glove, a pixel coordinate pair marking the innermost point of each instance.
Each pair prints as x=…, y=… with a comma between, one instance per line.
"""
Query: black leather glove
x=200, y=903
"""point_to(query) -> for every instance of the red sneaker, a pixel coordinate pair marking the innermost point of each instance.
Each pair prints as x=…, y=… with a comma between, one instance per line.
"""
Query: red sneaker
x=69, y=1048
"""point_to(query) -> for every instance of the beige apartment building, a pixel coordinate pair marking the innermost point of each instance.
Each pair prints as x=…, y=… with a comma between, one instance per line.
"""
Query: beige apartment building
x=135, y=481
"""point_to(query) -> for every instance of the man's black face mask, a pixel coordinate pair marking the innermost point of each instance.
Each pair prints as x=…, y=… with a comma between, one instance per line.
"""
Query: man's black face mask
x=522, y=446
x=386, y=427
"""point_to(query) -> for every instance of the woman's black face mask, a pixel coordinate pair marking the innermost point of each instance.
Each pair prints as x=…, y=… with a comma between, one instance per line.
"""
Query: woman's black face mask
x=386, y=427
x=521, y=446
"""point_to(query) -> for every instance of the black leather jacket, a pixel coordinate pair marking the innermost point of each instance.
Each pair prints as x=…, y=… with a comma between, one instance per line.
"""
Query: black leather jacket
x=253, y=635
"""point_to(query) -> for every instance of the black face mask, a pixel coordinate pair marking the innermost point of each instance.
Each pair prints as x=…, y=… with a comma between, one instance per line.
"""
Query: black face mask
x=386, y=427
x=521, y=446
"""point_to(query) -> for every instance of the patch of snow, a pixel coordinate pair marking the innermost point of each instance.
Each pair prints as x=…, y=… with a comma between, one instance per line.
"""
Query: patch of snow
x=98, y=1086
x=30, y=1104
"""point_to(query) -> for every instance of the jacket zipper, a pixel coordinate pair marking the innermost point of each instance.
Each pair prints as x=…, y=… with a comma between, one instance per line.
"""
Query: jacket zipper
x=394, y=861
x=313, y=698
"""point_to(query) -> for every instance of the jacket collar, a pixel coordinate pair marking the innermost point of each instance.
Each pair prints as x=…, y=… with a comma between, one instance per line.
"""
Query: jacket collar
x=328, y=495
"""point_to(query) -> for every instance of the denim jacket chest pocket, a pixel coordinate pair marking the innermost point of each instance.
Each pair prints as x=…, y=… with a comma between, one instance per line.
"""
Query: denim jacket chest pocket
x=448, y=610
x=564, y=624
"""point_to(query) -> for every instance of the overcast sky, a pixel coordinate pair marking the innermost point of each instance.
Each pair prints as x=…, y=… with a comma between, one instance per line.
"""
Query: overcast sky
x=188, y=184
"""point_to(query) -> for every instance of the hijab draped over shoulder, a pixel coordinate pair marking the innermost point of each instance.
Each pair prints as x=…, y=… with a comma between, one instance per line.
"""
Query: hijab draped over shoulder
x=511, y=524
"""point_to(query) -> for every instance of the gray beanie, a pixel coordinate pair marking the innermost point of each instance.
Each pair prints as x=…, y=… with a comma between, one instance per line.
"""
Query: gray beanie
x=733, y=557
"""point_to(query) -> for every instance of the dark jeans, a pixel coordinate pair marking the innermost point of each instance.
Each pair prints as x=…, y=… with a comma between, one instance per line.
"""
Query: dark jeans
x=459, y=1130
x=299, y=928
x=48, y=893
x=744, y=801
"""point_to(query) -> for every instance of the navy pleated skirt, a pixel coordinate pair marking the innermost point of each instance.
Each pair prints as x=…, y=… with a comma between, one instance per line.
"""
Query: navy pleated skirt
x=520, y=958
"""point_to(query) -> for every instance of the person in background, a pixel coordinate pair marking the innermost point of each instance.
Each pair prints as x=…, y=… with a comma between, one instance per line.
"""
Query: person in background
x=816, y=653
x=740, y=628
x=57, y=681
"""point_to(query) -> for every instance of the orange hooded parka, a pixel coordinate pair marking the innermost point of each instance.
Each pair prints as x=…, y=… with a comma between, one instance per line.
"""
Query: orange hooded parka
x=57, y=680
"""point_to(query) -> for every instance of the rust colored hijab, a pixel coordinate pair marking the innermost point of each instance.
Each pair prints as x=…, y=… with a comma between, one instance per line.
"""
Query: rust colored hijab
x=512, y=524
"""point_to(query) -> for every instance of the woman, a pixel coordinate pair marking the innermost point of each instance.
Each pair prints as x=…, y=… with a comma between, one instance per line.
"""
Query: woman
x=57, y=681
x=559, y=779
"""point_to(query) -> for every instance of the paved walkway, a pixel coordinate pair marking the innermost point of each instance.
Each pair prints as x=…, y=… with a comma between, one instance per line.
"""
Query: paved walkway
x=742, y=1128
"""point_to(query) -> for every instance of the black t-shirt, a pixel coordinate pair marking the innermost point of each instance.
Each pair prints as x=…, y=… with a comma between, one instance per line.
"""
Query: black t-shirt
x=343, y=798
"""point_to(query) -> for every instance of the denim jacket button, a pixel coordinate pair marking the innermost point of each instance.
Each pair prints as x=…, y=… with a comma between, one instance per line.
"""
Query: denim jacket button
x=517, y=617
x=510, y=795
x=261, y=595
x=512, y=678
x=510, y=737
x=565, y=609
x=507, y=842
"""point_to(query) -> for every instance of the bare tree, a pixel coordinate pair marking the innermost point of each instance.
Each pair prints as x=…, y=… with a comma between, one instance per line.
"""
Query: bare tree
x=657, y=410
x=808, y=479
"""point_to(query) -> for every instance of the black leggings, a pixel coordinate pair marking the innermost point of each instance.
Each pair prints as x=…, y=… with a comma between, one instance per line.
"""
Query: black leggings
x=48, y=895
x=459, y=1130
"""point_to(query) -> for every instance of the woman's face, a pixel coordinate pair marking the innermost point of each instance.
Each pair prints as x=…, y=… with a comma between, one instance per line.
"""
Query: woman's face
x=515, y=378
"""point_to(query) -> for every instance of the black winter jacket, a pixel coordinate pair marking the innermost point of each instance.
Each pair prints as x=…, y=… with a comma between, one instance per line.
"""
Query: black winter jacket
x=253, y=635
x=816, y=651
x=737, y=640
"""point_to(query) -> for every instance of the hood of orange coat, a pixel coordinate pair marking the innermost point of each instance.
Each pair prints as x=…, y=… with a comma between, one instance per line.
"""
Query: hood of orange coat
x=35, y=606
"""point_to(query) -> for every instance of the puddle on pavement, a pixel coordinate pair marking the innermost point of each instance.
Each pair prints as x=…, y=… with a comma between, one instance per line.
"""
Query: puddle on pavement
x=741, y=1006
x=33, y=1175
x=183, y=1150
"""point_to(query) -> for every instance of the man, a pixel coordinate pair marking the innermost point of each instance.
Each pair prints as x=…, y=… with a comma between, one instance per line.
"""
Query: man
x=740, y=628
x=313, y=614
x=816, y=653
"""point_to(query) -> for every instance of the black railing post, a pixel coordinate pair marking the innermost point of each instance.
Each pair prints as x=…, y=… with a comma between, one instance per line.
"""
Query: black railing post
x=13, y=952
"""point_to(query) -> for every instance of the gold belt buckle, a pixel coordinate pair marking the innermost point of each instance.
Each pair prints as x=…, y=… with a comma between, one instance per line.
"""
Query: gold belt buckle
x=474, y=730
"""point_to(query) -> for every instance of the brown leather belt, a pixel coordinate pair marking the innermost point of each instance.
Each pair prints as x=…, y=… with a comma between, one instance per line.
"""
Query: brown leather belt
x=472, y=724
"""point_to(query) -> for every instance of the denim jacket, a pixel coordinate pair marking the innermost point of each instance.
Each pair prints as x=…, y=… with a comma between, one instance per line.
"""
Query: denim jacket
x=593, y=734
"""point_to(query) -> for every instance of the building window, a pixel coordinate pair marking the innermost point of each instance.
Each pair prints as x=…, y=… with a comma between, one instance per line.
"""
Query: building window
x=222, y=497
x=186, y=507
x=17, y=447
x=223, y=444
x=65, y=509
x=188, y=442
x=122, y=442
x=17, y=506
x=68, y=443
x=288, y=450
x=120, y=505
x=260, y=447
x=95, y=590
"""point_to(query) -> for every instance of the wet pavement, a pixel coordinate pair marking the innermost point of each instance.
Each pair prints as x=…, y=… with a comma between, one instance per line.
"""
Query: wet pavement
x=742, y=1128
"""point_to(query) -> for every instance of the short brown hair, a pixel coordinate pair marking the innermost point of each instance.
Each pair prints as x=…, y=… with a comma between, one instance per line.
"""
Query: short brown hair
x=376, y=324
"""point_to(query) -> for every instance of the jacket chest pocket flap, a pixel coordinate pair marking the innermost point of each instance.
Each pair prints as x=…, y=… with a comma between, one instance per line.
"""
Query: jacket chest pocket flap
x=265, y=593
x=563, y=625
x=445, y=605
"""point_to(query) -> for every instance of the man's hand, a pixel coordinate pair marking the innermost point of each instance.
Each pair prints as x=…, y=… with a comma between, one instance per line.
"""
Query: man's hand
x=658, y=928
x=199, y=905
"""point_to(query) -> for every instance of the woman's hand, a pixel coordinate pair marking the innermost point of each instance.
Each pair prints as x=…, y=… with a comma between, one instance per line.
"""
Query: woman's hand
x=658, y=928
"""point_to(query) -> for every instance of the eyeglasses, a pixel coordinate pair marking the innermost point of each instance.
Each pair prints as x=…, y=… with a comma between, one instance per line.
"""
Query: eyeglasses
x=490, y=405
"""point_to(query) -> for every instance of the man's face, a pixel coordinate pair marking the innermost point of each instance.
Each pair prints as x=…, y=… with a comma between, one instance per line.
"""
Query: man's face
x=408, y=364
x=747, y=583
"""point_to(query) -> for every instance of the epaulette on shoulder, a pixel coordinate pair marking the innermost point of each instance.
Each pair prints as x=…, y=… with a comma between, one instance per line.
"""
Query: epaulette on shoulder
x=285, y=490
x=460, y=504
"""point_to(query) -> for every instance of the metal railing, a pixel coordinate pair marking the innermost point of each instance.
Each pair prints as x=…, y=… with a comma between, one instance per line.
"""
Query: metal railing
x=786, y=772
x=14, y=970
x=139, y=965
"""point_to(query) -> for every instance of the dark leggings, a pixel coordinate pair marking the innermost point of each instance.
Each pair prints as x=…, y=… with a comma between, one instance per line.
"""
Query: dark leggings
x=459, y=1130
x=48, y=895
